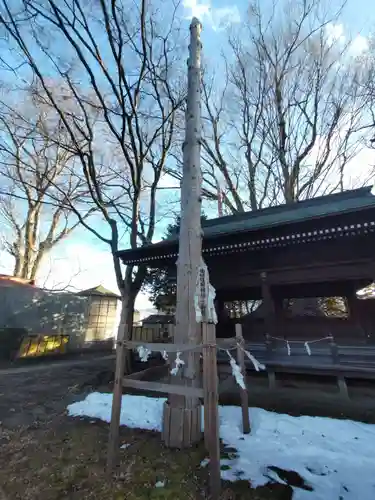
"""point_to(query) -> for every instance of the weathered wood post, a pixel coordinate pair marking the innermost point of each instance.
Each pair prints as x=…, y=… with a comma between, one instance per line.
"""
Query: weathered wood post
x=114, y=431
x=211, y=411
x=182, y=415
x=269, y=320
x=243, y=392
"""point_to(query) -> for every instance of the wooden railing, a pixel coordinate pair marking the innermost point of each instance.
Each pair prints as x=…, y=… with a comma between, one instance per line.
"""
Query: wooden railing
x=155, y=333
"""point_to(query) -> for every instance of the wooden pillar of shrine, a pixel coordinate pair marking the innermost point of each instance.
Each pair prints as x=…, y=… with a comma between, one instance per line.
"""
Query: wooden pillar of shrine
x=269, y=305
x=278, y=302
x=220, y=307
x=358, y=315
x=269, y=322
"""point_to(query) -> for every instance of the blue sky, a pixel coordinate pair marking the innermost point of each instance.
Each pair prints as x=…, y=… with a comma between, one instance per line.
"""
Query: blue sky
x=87, y=260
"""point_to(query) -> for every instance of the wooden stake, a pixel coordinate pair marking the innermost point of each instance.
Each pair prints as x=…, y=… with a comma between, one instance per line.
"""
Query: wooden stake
x=243, y=392
x=114, y=431
x=211, y=400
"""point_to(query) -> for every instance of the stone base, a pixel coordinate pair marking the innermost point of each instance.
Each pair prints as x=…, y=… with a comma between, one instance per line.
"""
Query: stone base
x=181, y=426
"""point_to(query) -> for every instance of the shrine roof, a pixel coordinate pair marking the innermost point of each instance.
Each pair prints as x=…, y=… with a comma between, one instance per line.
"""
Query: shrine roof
x=260, y=221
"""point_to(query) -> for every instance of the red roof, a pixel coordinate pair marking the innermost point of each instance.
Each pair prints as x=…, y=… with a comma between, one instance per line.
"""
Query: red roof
x=6, y=280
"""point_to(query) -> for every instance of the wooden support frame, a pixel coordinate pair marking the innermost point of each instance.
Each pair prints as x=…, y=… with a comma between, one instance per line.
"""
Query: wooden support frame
x=211, y=412
x=155, y=347
x=209, y=392
x=144, y=385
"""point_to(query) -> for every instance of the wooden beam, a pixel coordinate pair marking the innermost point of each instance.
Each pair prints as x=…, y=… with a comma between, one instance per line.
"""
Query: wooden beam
x=181, y=390
x=318, y=254
x=292, y=276
x=160, y=347
x=152, y=371
x=339, y=288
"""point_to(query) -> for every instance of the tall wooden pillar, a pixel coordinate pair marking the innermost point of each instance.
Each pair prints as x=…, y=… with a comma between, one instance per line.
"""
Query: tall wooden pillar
x=278, y=307
x=270, y=322
x=220, y=308
x=358, y=316
x=268, y=305
x=182, y=415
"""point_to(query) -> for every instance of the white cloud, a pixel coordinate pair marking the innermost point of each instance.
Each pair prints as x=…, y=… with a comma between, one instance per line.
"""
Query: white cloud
x=168, y=181
x=225, y=16
x=218, y=18
x=196, y=8
x=359, y=45
x=335, y=33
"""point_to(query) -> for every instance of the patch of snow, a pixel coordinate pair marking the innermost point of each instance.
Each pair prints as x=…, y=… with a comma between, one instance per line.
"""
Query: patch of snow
x=334, y=457
x=136, y=411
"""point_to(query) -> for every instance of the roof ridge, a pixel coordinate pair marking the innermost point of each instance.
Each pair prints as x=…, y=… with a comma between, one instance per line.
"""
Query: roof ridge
x=344, y=195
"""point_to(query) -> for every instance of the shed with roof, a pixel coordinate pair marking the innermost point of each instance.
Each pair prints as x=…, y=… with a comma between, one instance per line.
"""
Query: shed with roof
x=322, y=247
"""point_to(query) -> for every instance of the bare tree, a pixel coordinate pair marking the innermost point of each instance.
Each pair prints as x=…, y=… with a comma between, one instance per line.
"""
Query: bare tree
x=283, y=114
x=37, y=178
x=128, y=55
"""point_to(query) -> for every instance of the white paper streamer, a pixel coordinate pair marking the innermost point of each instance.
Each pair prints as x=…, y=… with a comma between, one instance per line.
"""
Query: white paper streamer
x=288, y=347
x=307, y=347
x=165, y=355
x=178, y=362
x=204, y=297
x=257, y=366
x=236, y=371
x=144, y=353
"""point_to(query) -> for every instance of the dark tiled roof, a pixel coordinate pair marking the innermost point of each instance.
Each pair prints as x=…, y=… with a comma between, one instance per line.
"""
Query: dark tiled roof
x=98, y=291
x=159, y=319
x=279, y=216
x=314, y=208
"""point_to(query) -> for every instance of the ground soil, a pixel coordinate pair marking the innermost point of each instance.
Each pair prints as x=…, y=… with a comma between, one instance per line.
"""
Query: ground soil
x=45, y=455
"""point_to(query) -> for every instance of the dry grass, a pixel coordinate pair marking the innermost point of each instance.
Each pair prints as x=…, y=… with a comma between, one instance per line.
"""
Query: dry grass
x=66, y=460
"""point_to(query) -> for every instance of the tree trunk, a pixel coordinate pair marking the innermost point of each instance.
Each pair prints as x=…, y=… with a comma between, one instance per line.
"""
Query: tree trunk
x=126, y=326
x=123, y=366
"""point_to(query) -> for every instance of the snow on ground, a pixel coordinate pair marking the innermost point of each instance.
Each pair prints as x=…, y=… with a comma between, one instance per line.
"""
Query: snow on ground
x=336, y=458
x=138, y=412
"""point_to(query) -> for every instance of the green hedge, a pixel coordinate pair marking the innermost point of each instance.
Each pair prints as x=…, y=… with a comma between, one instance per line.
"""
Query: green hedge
x=10, y=342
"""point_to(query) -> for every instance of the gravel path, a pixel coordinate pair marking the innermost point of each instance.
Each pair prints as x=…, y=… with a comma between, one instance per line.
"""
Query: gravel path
x=33, y=394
